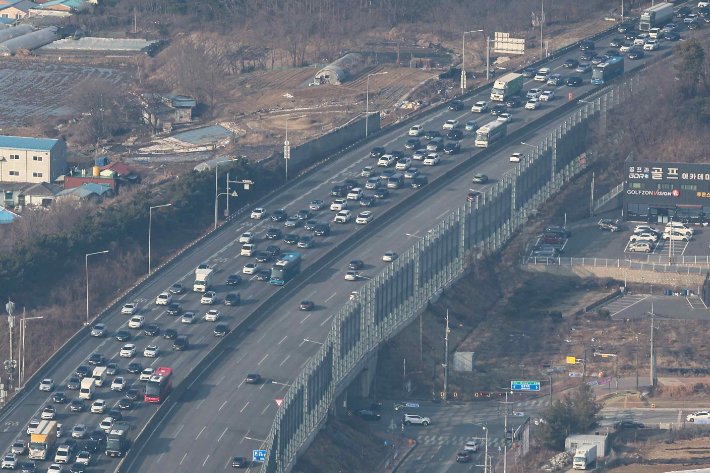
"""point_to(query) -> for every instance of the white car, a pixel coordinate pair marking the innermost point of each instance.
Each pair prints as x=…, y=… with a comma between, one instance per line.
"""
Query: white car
x=354, y=194
x=48, y=413
x=649, y=237
x=638, y=229
x=625, y=48
x=46, y=384
x=98, y=406
x=389, y=256
x=678, y=227
x=386, y=160
x=250, y=268
x=352, y=275
x=364, y=218
x=258, y=213
x=106, y=424
x=208, y=298
x=344, y=216
x=63, y=454
x=533, y=93
x=151, y=351
x=403, y=164
x=9, y=461
x=34, y=423
x=146, y=374
x=416, y=130
x=246, y=237
x=83, y=458
x=450, y=124
x=338, y=205
x=248, y=249
x=367, y=171
x=676, y=236
x=546, y=96
x=79, y=431
x=479, y=107
x=505, y=117
x=136, y=321
x=700, y=415
x=419, y=154
x=188, y=318
x=650, y=45
x=54, y=468
x=164, y=298
x=471, y=446
x=212, y=315
x=532, y=104
x=516, y=157
x=432, y=159
x=542, y=74
x=127, y=351
x=129, y=309
x=640, y=247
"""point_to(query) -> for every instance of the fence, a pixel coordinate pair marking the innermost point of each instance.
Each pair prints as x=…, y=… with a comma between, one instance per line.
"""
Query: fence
x=603, y=200
x=391, y=299
x=659, y=267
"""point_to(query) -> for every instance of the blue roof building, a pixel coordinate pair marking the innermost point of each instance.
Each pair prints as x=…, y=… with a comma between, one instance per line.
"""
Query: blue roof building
x=33, y=160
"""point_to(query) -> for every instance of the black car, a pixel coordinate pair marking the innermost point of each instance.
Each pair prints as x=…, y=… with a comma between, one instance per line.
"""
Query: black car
x=452, y=147
x=151, y=330
x=310, y=225
x=123, y=335
x=181, y=343
x=322, y=229
x=125, y=403
x=306, y=305
x=96, y=359
x=610, y=53
x=574, y=81
x=83, y=371
x=629, y=424
x=174, y=308
x=419, y=181
x=683, y=12
x=115, y=413
x=456, y=105
x=528, y=72
x=671, y=36
x=693, y=25
x=377, y=152
x=463, y=457
x=586, y=45
x=220, y=330
x=513, y=101
x=169, y=333
x=279, y=215
x=240, y=462
x=292, y=222
x=59, y=397
x=367, y=201
x=498, y=109
x=571, y=63
x=74, y=383
x=177, y=288
x=636, y=53
x=367, y=414
x=338, y=191
x=112, y=369
x=352, y=183
x=431, y=134
x=77, y=405
x=616, y=42
x=412, y=143
x=90, y=446
x=262, y=257
x=234, y=280
x=273, y=250
x=27, y=466
x=98, y=436
x=263, y=275
x=387, y=173
x=291, y=239
x=253, y=378
x=303, y=214
x=381, y=193
x=630, y=35
x=454, y=135
x=77, y=468
x=273, y=234
x=134, y=367
x=356, y=265
x=588, y=55
x=559, y=230
x=133, y=394
x=305, y=242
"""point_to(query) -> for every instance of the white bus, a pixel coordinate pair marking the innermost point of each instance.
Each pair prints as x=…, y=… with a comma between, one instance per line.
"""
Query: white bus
x=489, y=133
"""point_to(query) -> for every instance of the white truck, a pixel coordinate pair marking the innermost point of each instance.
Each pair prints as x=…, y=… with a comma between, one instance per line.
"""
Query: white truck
x=203, y=279
x=86, y=391
x=585, y=457
x=99, y=376
x=509, y=84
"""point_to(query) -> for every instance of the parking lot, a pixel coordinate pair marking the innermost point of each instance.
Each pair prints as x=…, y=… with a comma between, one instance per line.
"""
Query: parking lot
x=638, y=306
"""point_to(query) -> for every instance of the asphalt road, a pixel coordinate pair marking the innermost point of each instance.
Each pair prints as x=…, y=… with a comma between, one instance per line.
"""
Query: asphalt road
x=219, y=416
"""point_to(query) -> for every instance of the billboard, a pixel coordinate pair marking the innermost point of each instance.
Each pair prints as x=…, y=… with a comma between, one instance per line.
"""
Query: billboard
x=504, y=44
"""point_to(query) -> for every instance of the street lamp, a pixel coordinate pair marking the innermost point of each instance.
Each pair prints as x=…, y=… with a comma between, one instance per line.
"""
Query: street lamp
x=245, y=182
x=367, y=97
x=87, y=280
x=287, y=148
x=463, y=58
x=150, y=226
x=485, y=453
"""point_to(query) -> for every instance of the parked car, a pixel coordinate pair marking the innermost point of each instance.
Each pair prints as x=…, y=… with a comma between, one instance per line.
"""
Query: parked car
x=608, y=225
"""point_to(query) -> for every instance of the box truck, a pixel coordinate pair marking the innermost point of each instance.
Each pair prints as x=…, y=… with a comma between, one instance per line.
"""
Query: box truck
x=86, y=391
x=42, y=439
x=203, y=279
x=585, y=457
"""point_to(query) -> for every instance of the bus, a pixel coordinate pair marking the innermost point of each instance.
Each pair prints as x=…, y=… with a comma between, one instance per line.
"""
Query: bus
x=489, y=133
x=159, y=385
x=606, y=71
x=287, y=266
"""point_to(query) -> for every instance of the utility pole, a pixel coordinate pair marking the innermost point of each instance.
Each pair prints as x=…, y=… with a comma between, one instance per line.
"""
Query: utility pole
x=591, y=199
x=653, y=356
x=505, y=435
x=542, y=21
x=446, y=358
x=10, y=308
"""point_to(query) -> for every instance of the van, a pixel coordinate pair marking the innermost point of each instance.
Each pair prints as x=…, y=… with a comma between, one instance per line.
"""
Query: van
x=678, y=227
x=86, y=391
x=395, y=181
x=542, y=74
x=248, y=249
x=653, y=33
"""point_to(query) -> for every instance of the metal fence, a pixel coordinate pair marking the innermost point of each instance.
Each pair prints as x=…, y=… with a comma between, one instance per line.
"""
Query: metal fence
x=659, y=267
x=395, y=296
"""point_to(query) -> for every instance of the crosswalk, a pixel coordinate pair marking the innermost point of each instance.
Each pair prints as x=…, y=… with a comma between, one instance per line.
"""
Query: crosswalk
x=455, y=440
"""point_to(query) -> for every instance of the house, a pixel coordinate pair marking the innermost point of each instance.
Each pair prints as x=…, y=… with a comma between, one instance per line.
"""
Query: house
x=162, y=111
x=119, y=171
x=59, y=7
x=86, y=192
x=32, y=160
x=15, y=9
x=42, y=194
x=78, y=178
x=7, y=216
x=573, y=442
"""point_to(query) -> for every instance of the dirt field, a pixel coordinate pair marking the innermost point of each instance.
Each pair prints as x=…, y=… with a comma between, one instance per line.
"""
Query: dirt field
x=666, y=457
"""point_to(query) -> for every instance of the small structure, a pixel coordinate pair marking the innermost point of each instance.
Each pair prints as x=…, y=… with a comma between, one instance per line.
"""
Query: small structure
x=7, y=216
x=575, y=441
x=60, y=8
x=34, y=160
x=79, y=178
x=88, y=191
x=163, y=111
x=15, y=9
x=341, y=70
x=29, y=41
x=89, y=45
x=42, y=194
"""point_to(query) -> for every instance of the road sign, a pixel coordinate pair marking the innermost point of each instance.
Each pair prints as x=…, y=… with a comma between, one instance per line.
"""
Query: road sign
x=412, y=404
x=525, y=385
x=518, y=414
x=279, y=401
x=259, y=456
x=570, y=360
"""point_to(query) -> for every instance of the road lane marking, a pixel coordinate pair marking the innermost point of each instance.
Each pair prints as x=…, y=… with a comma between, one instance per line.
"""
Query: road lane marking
x=262, y=337
x=326, y=320
x=301, y=344
x=222, y=406
x=245, y=436
x=225, y=431
x=206, y=458
x=265, y=408
x=262, y=360
x=179, y=430
x=330, y=297
x=285, y=337
x=199, y=404
x=287, y=357
x=304, y=319
x=183, y=458
x=198, y=435
x=245, y=406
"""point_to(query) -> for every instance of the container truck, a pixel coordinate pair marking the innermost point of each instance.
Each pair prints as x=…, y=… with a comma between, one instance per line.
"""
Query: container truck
x=203, y=279
x=42, y=439
x=117, y=441
x=656, y=16
x=86, y=391
x=508, y=85
x=585, y=457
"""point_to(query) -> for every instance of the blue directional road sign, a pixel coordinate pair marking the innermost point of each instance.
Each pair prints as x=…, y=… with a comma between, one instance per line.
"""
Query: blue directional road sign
x=259, y=456
x=525, y=385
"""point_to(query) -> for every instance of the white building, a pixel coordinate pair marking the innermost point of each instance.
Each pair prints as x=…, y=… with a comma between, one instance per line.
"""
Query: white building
x=32, y=160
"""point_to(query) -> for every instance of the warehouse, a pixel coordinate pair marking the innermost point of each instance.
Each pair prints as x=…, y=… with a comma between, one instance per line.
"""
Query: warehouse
x=659, y=192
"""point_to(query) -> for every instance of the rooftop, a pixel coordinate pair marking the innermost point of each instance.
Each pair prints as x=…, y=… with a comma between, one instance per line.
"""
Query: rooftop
x=23, y=142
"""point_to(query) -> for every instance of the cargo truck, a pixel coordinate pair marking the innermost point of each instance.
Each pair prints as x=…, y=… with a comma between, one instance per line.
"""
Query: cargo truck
x=585, y=457
x=42, y=439
x=507, y=86
x=203, y=279
x=656, y=16
x=86, y=391
x=99, y=376
x=117, y=441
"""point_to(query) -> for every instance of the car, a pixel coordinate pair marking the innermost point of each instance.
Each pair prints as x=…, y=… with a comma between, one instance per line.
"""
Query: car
x=48, y=413
x=151, y=330
x=136, y=322
x=411, y=173
x=134, y=367
x=146, y=374
x=34, y=423
x=629, y=424
x=289, y=239
x=310, y=225
x=419, y=154
x=212, y=315
x=258, y=213
x=583, y=68
x=322, y=229
x=505, y=117
x=456, y=105
x=676, y=236
x=419, y=181
x=377, y=151
x=610, y=53
x=431, y=134
x=386, y=160
x=635, y=53
x=472, y=195
x=402, y=165
x=338, y=205
x=528, y=72
x=514, y=101
x=263, y=275
x=671, y=36
x=291, y=222
x=73, y=383
x=368, y=171
x=452, y=147
x=552, y=239
x=414, y=130
x=638, y=229
x=649, y=237
x=78, y=431
x=480, y=178
x=650, y=45
x=608, y=225
x=373, y=182
x=625, y=48
x=690, y=18
x=124, y=403
x=344, y=216
x=240, y=462
x=303, y=214
x=316, y=205
x=389, y=256
x=99, y=406
x=246, y=237
x=181, y=343
x=616, y=42
x=98, y=330
x=306, y=305
x=496, y=110
x=416, y=419
x=9, y=461
x=176, y=288
x=600, y=59
x=547, y=95
x=107, y=422
x=471, y=446
x=533, y=93
x=83, y=457
x=46, y=385
x=174, y=308
x=515, y=157
x=574, y=81
x=220, y=330
x=356, y=192
x=129, y=309
x=233, y=298
x=555, y=79
x=77, y=405
x=699, y=415
x=55, y=468
x=588, y=55
x=586, y=45
x=151, y=351
x=59, y=397
x=411, y=143
x=234, y=280
x=279, y=215
x=208, y=298
x=188, y=318
x=368, y=200
x=132, y=394
x=250, y=268
x=541, y=75
x=367, y=414
x=19, y=447
x=436, y=144
x=640, y=246
x=480, y=107
x=381, y=193
x=127, y=351
x=123, y=335
x=352, y=276
x=471, y=125
x=463, y=457
x=169, y=333
x=532, y=104
x=253, y=378
x=164, y=298
x=82, y=371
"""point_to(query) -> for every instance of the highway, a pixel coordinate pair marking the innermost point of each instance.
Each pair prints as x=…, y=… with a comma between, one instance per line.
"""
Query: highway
x=220, y=416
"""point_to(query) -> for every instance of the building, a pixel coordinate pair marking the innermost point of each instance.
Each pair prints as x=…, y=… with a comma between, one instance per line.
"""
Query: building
x=42, y=194
x=60, y=8
x=573, y=442
x=341, y=70
x=163, y=111
x=15, y=9
x=32, y=160
x=659, y=192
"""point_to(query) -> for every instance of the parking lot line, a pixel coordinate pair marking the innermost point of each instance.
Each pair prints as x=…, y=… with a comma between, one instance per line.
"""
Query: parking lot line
x=627, y=305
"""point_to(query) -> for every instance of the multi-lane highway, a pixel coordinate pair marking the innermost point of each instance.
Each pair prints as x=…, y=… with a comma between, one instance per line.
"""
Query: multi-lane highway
x=219, y=416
